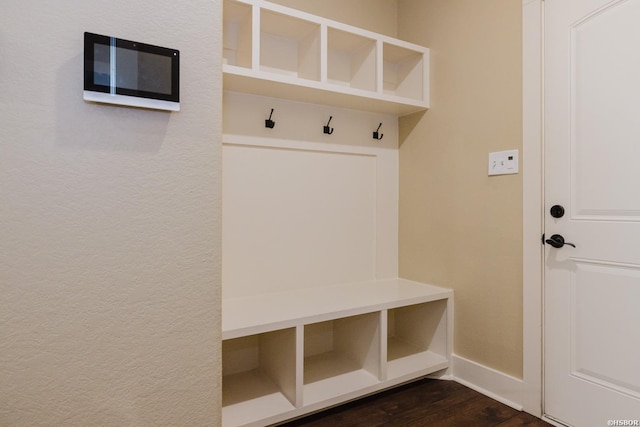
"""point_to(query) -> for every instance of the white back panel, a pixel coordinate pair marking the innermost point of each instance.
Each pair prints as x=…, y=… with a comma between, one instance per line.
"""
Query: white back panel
x=296, y=218
x=303, y=209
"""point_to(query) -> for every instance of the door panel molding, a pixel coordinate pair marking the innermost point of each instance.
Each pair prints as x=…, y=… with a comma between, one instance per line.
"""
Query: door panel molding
x=596, y=311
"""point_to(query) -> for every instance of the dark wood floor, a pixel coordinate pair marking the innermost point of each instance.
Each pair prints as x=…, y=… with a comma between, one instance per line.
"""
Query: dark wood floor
x=430, y=403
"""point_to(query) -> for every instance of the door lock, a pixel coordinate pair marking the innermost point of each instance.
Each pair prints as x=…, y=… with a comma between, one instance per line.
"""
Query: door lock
x=557, y=211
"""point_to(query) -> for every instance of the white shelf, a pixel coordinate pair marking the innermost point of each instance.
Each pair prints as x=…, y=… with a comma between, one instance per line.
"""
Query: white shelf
x=273, y=50
x=290, y=353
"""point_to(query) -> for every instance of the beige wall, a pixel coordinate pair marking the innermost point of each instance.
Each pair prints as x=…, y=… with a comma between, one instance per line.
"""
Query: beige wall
x=109, y=223
x=379, y=16
x=458, y=227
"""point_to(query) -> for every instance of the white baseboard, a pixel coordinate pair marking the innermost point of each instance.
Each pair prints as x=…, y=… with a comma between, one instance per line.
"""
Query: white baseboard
x=490, y=382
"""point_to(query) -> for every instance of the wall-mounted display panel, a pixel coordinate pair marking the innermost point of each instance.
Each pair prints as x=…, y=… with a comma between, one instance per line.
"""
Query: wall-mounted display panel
x=125, y=72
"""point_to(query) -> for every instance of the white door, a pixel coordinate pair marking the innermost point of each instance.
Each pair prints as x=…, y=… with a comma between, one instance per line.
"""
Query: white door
x=592, y=170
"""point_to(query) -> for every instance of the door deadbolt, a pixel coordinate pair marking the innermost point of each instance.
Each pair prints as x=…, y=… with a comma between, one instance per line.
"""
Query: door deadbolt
x=557, y=211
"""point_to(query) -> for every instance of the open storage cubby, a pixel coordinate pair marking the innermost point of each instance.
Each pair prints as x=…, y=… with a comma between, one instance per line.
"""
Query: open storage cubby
x=237, y=34
x=416, y=339
x=287, y=354
x=259, y=376
x=289, y=45
x=273, y=50
x=341, y=356
x=403, y=72
x=351, y=60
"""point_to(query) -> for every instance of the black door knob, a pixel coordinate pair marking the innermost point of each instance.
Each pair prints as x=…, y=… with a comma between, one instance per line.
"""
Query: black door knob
x=557, y=211
x=557, y=241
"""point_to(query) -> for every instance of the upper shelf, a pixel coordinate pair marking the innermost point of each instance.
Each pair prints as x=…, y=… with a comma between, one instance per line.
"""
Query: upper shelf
x=281, y=52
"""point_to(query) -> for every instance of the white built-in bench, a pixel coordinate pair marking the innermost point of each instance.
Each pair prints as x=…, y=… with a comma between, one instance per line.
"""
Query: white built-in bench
x=290, y=353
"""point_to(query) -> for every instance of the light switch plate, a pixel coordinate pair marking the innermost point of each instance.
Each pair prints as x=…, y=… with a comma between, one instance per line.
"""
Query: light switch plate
x=503, y=162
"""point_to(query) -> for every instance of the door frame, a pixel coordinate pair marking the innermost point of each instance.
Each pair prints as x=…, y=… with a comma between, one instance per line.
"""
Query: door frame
x=533, y=204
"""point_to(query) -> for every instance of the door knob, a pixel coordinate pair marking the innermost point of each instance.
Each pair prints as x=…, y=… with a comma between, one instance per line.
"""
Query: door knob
x=557, y=241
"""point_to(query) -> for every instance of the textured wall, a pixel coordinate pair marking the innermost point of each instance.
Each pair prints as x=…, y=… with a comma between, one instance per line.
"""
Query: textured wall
x=109, y=223
x=379, y=16
x=458, y=227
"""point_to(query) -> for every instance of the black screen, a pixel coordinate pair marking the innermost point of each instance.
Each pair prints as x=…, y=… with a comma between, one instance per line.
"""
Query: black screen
x=130, y=68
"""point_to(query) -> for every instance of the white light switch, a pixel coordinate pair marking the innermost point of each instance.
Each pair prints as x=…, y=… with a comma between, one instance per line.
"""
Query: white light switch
x=503, y=162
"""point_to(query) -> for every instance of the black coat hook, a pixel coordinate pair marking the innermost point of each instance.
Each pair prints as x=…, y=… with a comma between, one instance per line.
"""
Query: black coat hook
x=269, y=123
x=376, y=135
x=327, y=129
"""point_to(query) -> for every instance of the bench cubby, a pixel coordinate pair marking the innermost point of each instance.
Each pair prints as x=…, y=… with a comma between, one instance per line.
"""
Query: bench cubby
x=287, y=354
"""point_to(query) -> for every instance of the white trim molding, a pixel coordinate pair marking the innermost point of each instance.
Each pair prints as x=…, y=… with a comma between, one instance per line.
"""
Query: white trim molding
x=495, y=384
x=533, y=202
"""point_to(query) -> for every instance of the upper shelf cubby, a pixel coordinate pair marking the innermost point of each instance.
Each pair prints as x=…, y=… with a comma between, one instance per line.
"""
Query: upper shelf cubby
x=289, y=46
x=351, y=60
x=237, y=34
x=403, y=73
x=277, y=51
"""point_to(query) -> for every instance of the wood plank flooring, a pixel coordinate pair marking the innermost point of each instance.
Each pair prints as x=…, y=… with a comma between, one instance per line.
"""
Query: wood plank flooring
x=432, y=403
